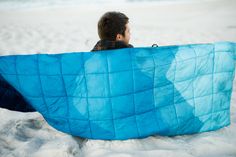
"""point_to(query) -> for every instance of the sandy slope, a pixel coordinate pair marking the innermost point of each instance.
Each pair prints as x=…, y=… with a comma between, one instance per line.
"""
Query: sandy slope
x=74, y=29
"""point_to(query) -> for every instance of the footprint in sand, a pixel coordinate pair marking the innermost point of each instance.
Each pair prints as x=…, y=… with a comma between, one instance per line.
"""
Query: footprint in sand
x=26, y=129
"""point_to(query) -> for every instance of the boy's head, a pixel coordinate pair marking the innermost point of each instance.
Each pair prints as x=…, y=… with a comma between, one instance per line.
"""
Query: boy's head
x=114, y=26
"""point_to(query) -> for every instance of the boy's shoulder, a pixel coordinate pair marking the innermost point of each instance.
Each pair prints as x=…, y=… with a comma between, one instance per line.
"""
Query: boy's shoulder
x=109, y=45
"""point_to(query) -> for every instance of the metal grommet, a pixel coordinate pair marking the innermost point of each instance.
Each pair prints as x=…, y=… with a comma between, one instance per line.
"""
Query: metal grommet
x=154, y=45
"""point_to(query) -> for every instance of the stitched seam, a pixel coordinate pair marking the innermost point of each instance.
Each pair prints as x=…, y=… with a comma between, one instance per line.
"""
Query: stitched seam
x=41, y=87
x=170, y=105
x=174, y=90
x=17, y=76
x=109, y=96
x=193, y=82
x=195, y=65
x=122, y=95
x=133, y=115
x=133, y=94
x=66, y=95
x=213, y=69
x=109, y=73
x=86, y=95
x=153, y=92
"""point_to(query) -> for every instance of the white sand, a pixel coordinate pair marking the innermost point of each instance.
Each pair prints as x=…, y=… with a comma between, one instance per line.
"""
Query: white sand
x=58, y=29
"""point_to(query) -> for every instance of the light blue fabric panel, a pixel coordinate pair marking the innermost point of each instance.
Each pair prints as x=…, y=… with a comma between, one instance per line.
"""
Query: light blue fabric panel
x=128, y=93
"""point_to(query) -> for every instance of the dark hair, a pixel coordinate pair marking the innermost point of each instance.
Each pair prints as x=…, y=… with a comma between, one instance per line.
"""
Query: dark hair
x=111, y=24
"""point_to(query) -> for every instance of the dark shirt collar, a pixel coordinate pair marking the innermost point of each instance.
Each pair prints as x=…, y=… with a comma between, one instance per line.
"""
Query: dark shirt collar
x=109, y=45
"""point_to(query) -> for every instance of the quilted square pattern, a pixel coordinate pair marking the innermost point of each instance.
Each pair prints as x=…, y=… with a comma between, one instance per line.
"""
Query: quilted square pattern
x=169, y=120
x=24, y=63
x=49, y=64
x=126, y=127
x=123, y=106
x=144, y=101
x=122, y=78
x=60, y=123
x=80, y=128
x=182, y=91
x=143, y=82
x=127, y=93
x=188, y=71
x=99, y=109
x=39, y=104
x=223, y=81
x=164, y=95
x=100, y=81
x=185, y=111
x=220, y=118
x=164, y=56
x=78, y=108
x=204, y=64
x=201, y=85
x=206, y=122
x=52, y=86
x=144, y=126
x=222, y=104
x=119, y=61
x=56, y=106
x=102, y=129
x=75, y=85
x=8, y=65
x=185, y=53
x=224, y=65
x=95, y=63
x=142, y=59
x=72, y=64
x=203, y=105
x=164, y=75
x=32, y=89
x=203, y=50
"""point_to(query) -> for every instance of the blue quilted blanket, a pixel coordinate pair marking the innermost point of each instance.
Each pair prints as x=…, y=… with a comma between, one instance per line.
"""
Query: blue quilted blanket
x=127, y=93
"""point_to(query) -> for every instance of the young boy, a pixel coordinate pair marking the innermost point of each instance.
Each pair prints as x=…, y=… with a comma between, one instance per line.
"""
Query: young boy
x=113, y=31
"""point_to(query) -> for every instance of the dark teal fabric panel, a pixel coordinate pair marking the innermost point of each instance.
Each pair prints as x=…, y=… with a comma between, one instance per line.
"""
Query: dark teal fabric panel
x=128, y=93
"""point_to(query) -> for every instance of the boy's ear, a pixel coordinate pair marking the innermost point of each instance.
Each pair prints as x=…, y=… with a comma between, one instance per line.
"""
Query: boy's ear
x=118, y=37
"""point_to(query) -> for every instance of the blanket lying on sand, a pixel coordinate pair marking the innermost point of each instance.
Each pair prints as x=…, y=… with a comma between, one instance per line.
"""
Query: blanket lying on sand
x=127, y=93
